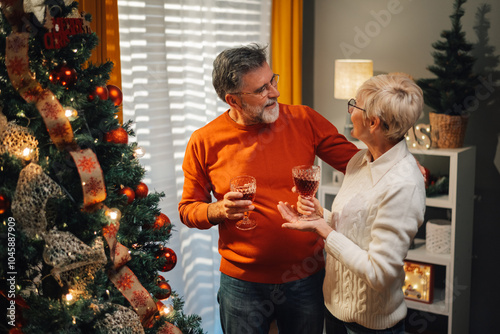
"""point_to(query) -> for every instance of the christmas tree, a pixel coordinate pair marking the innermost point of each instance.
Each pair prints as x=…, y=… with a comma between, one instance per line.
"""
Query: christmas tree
x=83, y=238
x=453, y=67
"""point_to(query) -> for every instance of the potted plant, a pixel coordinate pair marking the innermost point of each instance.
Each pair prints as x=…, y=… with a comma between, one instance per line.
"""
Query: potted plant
x=451, y=94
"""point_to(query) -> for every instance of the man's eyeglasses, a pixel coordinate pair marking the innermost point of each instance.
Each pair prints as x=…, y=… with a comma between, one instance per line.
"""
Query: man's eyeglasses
x=264, y=90
x=352, y=104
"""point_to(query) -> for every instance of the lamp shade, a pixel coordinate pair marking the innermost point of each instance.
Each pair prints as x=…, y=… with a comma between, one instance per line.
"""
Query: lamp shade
x=350, y=75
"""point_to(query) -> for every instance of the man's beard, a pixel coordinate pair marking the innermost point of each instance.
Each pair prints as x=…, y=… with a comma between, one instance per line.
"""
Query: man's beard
x=258, y=114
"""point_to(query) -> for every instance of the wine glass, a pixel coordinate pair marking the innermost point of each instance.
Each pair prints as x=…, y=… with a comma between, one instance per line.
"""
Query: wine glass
x=306, y=179
x=247, y=185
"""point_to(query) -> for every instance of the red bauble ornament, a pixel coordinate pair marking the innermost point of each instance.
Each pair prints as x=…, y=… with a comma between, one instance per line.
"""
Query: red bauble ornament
x=169, y=256
x=4, y=204
x=63, y=75
x=161, y=221
x=141, y=190
x=117, y=136
x=129, y=192
x=115, y=94
x=101, y=92
x=167, y=290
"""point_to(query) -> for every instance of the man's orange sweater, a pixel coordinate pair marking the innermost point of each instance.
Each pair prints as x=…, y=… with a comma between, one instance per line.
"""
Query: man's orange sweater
x=224, y=149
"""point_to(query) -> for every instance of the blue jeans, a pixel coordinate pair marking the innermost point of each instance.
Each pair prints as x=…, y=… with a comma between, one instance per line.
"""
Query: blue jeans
x=336, y=326
x=249, y=308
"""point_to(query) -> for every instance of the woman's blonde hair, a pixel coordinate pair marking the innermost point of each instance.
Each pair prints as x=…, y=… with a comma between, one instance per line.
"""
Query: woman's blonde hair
x=395, y=99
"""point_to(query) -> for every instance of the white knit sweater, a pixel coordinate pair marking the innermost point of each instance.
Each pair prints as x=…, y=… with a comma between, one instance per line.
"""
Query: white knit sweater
x=376, y=214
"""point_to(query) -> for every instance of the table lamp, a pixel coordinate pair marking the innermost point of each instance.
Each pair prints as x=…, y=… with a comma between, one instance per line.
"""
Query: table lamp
x=349, y=75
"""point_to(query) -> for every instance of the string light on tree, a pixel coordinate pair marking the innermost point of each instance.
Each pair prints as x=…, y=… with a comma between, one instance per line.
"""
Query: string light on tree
x=27, y=154
x=164, y=309
x=139, y=152
x=69, y=299
x=113, y=214
x=71, y=113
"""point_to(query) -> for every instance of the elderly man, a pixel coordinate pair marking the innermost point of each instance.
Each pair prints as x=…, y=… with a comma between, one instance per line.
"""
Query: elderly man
x=268, y=272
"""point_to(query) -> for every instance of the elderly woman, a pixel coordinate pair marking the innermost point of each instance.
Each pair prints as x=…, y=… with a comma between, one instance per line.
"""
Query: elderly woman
x=375, y=215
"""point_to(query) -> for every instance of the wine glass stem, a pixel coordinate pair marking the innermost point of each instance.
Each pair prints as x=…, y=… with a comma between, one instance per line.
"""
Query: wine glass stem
x=245, y=218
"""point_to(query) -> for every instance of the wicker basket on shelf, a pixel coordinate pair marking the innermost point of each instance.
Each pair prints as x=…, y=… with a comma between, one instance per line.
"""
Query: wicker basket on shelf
x=447, y=131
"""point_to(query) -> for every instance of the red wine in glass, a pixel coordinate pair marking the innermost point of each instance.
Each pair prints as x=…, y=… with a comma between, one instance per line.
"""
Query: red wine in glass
x=248, y=195
x=247, y=185
x=306, y=188
x=306, y=179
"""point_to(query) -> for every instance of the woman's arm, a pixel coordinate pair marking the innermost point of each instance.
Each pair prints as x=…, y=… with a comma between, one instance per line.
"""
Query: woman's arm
x=392, y=228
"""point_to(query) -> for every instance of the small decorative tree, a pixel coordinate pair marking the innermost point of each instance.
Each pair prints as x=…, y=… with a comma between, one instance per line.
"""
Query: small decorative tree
x=452, y=91
x=453, y=67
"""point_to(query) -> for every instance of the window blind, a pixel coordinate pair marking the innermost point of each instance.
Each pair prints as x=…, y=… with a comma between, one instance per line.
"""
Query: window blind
x=167, y=49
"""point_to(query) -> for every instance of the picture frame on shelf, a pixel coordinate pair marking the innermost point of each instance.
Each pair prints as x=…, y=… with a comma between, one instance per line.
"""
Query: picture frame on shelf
x=419, y=281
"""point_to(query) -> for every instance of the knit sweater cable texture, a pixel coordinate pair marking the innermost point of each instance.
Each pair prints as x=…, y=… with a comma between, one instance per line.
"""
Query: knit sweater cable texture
x=376, y=214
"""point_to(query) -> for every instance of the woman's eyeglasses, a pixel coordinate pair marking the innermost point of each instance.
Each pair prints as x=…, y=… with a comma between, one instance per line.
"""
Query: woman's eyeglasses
x=352, y=104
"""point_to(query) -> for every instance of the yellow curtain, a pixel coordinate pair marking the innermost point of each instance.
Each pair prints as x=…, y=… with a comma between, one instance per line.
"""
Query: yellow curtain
x=105, y=25
x=286, y=43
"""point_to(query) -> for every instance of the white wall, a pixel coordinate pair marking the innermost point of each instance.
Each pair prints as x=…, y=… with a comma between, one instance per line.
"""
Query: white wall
x=399, y=41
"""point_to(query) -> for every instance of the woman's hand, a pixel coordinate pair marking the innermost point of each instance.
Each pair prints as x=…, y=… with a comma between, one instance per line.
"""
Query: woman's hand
x=308, y=206
x=289, y=214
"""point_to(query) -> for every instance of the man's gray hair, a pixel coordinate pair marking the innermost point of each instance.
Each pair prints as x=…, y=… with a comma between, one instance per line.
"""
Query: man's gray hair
x=232, y=64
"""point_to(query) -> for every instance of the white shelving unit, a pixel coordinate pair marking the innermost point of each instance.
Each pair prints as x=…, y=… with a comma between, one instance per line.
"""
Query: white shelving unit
x=451, y=297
